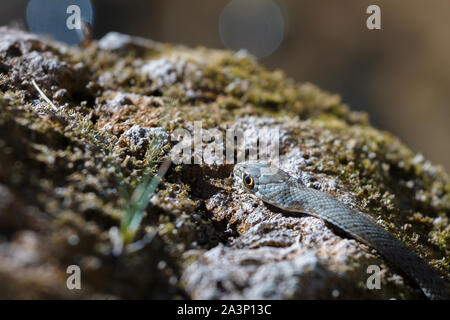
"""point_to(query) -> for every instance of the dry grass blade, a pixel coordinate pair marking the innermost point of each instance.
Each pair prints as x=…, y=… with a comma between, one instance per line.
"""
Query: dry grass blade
x=42, y=94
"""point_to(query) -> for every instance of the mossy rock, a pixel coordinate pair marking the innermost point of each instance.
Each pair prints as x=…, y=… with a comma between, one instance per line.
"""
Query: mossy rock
x=200, y=238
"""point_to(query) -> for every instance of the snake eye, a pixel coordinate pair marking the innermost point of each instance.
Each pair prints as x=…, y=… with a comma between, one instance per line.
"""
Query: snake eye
x=248, y=181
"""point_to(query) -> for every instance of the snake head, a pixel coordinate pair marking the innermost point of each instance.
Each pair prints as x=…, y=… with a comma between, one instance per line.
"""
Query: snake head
x=259, y=178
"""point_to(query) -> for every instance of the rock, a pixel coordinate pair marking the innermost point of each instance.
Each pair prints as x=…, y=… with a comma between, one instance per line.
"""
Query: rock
x=120, y=42
x=64, y=177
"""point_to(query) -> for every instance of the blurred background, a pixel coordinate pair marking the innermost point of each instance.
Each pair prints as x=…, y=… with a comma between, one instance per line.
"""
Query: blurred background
x=400, y=74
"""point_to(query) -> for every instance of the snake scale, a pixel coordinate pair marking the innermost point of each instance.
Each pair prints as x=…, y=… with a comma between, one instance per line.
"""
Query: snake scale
x=276, y=187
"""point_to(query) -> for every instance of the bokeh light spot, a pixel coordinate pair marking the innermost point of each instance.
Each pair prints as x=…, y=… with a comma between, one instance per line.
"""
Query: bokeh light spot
x=49, y=17
x=254, y=25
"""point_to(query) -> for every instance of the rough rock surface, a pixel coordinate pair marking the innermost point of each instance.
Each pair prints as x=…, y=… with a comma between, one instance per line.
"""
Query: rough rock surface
x=202, y=236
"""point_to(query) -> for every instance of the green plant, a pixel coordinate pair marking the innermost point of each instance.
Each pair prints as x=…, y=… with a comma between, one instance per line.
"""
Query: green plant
x=135, y=205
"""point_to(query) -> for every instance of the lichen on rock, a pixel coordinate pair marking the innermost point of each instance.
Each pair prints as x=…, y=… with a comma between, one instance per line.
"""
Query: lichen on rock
x=201, y=237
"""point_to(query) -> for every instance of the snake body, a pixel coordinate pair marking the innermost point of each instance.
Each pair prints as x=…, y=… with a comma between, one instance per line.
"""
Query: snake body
x=278, y=188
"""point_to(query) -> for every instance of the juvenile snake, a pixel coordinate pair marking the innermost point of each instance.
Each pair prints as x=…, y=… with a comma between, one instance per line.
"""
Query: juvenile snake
x=278, y=188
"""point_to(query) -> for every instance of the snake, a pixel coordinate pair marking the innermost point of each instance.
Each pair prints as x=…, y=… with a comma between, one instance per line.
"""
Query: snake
x=278, y=188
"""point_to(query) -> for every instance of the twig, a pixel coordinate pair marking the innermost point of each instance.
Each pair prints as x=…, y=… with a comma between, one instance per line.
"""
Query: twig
x=43, y=95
